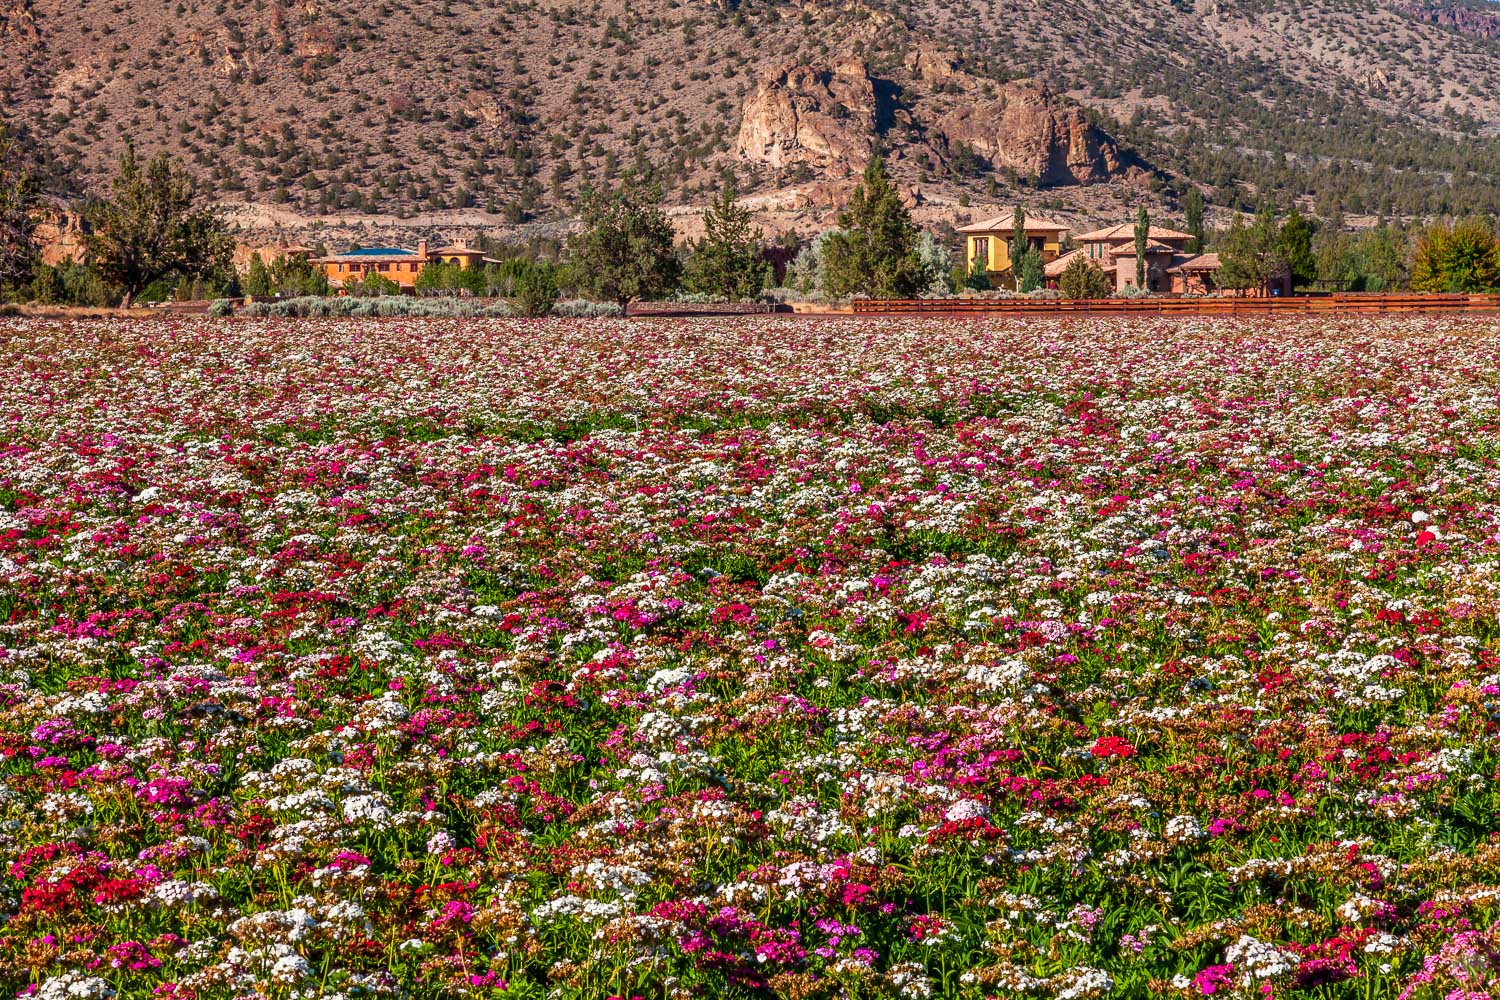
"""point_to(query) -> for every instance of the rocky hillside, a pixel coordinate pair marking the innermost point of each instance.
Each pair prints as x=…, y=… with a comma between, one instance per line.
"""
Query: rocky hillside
x=495, y=112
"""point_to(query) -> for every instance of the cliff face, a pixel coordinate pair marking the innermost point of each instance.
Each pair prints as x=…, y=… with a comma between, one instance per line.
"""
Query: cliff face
x=821, y=117
x=826, y=118
x=1024, y=129
x=1465, y=20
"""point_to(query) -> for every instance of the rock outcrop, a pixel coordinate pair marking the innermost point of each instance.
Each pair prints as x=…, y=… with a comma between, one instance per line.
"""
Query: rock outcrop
x=18, y=23
x=821, y=117
x=1024, y=129
x=1455, y=17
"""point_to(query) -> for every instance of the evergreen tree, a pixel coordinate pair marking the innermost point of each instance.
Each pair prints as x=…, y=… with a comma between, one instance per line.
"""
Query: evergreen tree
x=978, y=277
x=150, y=228
x=874, y=252
x=728, y=261
x=1192, y=211
x=1031, y=275
x=1142, y=237
x=1019, y=245
x=257, y=278
x=1296, y=245
x=1251, y=256
x=1082, y=279
x=625, y=251
x=18, y=252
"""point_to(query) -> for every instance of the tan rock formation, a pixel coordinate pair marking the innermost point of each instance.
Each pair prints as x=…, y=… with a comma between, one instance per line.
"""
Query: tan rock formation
x=821, y=117
x=1024, y=129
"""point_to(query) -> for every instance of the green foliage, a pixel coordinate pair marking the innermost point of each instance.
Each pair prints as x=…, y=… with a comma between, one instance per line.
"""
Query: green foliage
x=294, y=275
x=805, y=273
x=1083, y=279
x=1029, y=274
x=1252, y=255
x=1019, y=244
x=221, y=308
x=1296, y=245
x=374, y=285
x=936, y=261
x=71, y=285
x=1383, y=251
x=533, y=289
x=625, y=250
x=257, y=278
x=18, y=252
x=727, y=262
x=1142, y=237
x=1192, y=212
x=978, y=277
x=150, y=228
x=1456, y=258
x=874, y=252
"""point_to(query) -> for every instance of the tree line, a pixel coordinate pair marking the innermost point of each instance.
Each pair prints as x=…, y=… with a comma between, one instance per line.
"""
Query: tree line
x=150, y=233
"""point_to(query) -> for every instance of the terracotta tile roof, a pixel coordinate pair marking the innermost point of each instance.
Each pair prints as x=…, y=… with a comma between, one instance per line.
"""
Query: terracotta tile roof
x=1007, y=223
x=1202, y=262
x=1056, y=266
x=1126, y=231
x=1152, y=246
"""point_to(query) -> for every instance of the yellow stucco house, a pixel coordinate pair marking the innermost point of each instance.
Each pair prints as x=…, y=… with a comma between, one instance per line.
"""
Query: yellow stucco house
x=988, y=240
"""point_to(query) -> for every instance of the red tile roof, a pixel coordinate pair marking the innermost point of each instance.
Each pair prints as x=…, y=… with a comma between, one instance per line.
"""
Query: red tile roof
x=1007, y=224
x=1126, y=231
x=1152, y=246
x=1202, y=262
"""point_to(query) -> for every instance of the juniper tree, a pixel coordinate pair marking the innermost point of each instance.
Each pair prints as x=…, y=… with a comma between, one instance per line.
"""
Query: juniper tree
x=150, y=227
x=728, y=261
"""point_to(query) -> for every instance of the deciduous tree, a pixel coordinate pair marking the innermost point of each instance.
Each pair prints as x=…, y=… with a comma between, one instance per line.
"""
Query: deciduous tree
x=1456, y=258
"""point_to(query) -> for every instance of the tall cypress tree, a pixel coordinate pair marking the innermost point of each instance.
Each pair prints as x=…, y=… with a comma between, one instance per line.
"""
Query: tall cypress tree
x=1142, y=235
x=1019, y=244
x=1192, y=211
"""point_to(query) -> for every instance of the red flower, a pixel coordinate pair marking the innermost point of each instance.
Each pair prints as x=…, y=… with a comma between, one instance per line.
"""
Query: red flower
x=1113, y=746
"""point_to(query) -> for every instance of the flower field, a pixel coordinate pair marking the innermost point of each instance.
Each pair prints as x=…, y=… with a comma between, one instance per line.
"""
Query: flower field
x=750, y=658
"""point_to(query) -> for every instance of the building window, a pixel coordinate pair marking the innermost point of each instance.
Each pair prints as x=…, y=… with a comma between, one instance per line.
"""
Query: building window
x=982, y=250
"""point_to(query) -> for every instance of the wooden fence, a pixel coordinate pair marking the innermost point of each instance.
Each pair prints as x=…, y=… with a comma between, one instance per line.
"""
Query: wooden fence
x=1296, y=305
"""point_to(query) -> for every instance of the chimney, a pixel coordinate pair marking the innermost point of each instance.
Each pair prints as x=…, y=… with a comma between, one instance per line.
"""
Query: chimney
x=422, y=249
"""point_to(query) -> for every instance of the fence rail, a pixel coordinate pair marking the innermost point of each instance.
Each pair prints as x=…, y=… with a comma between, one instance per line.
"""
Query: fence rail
x=1351, y=303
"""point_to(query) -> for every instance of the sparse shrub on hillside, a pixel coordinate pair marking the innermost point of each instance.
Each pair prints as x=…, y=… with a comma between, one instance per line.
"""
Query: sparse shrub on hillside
x=18, y=252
